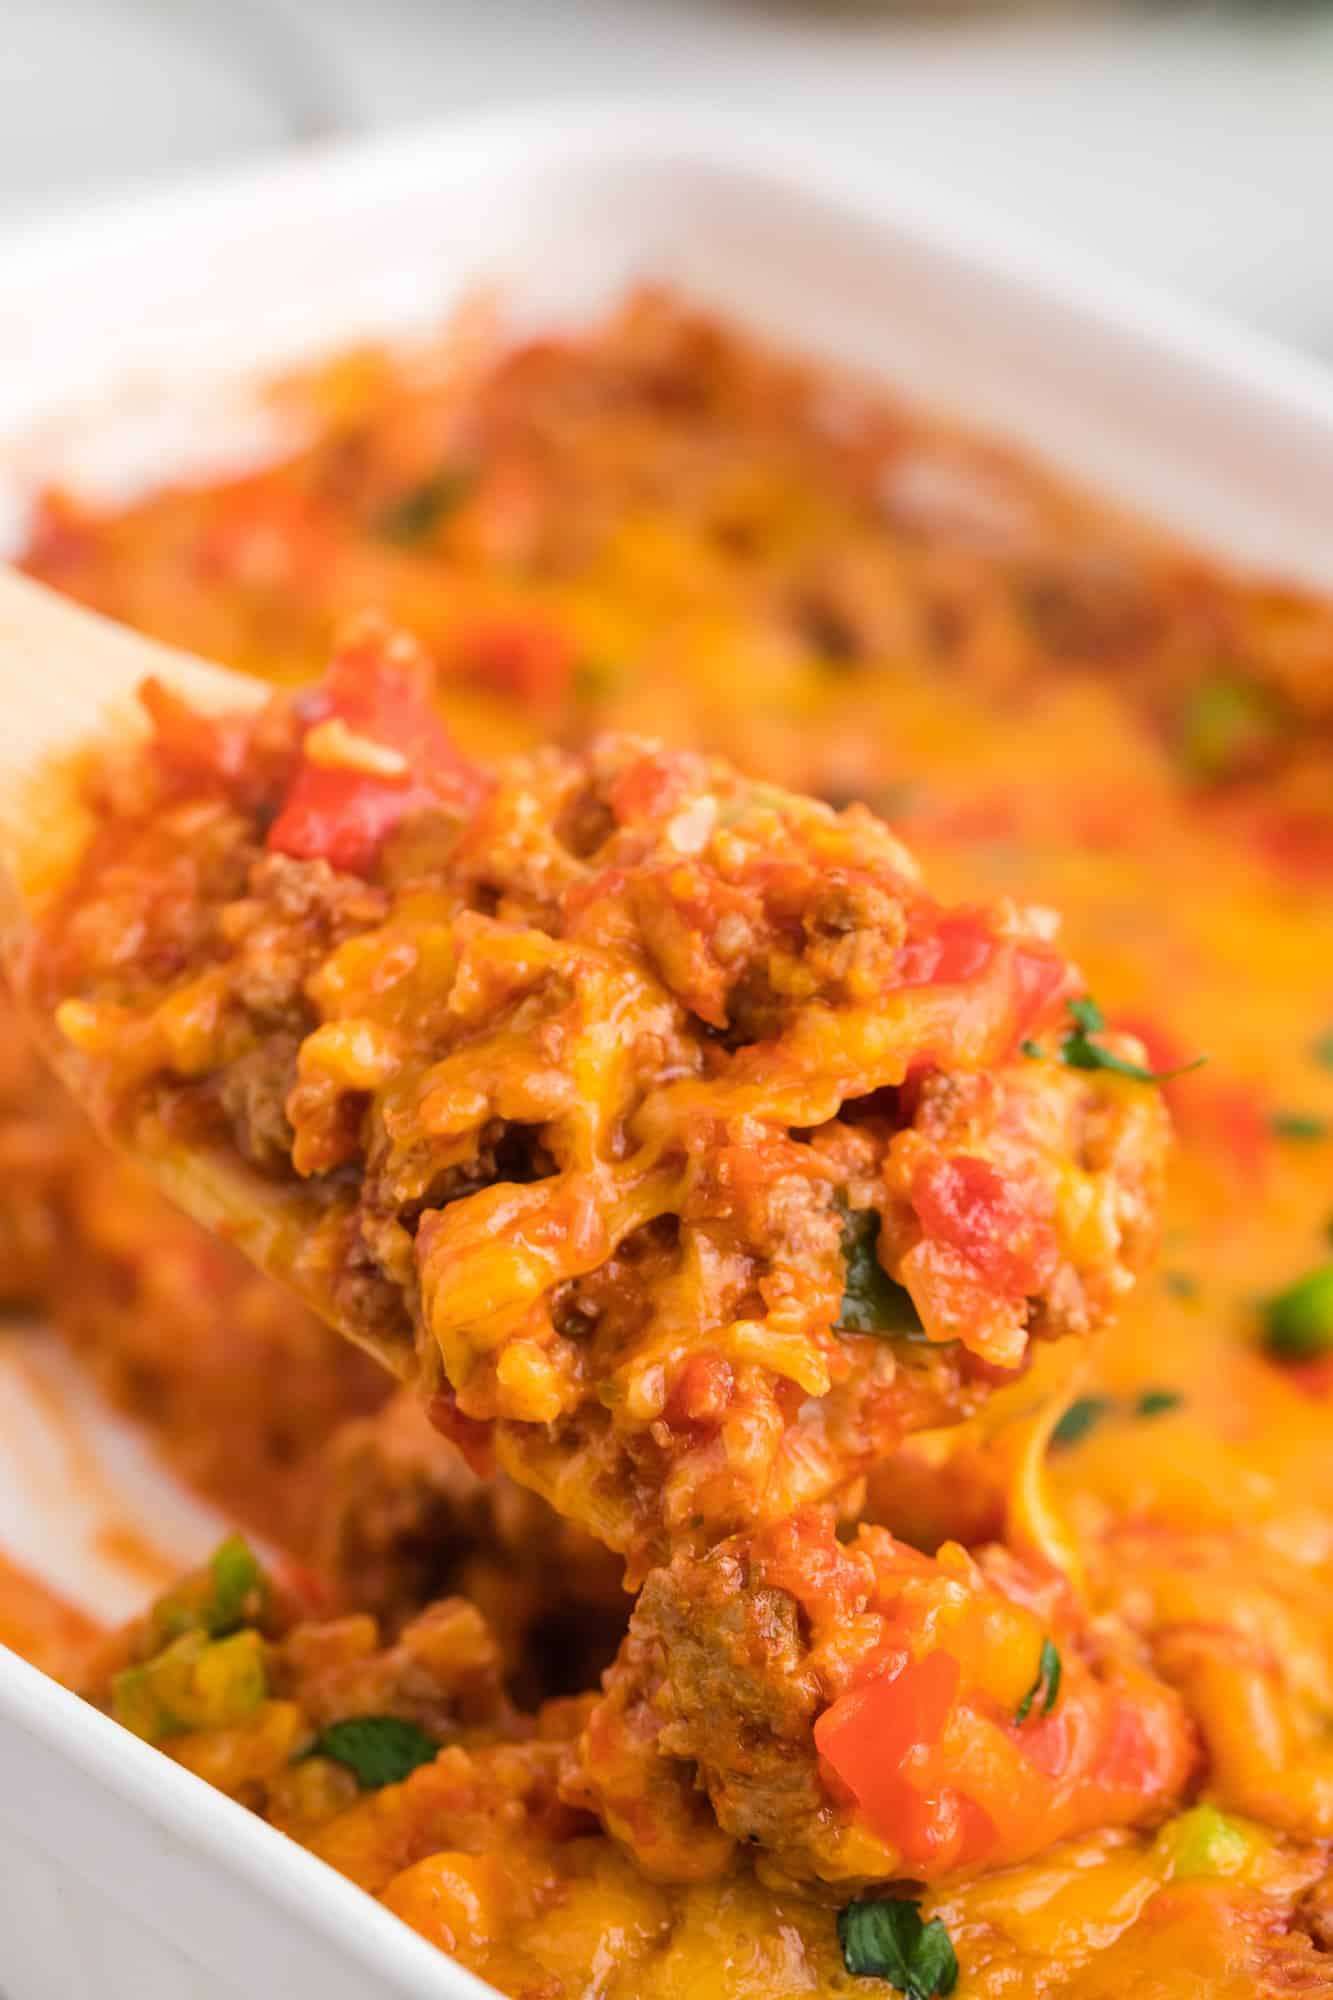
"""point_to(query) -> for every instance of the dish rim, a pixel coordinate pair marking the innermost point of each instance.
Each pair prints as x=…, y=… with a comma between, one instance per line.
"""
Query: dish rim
x=1077, y=283
x=1067, y=274
x=217, y=1828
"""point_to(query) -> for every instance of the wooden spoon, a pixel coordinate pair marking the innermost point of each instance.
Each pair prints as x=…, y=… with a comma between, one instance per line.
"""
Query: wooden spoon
x=72, y=678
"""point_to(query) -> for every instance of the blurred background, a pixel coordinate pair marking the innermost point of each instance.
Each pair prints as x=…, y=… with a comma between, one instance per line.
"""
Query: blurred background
x=1193, y=143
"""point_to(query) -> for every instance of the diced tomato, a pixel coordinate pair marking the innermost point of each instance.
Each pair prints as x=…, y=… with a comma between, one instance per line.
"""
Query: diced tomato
x=528, y=657
x=650, y=789
x=977, y=1832
x=1040, y=979
x=473, y=1438
x=1128, y=1750
x=966, y=1203
x=1050, y=1742
x=703, y=1392
x=869, y=1731
x=807, y=1560
x=875, y=1739
x=959, y=948
x=344, y=815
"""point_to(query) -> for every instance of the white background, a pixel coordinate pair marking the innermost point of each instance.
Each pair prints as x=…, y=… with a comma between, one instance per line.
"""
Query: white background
x=1194, y=144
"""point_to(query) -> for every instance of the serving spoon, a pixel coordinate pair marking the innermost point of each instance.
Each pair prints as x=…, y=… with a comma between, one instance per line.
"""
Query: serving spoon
x=75, y=679
x=71, y=679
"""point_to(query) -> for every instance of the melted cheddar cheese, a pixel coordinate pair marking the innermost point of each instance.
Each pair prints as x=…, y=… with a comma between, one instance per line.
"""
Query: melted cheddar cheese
x=659, y=526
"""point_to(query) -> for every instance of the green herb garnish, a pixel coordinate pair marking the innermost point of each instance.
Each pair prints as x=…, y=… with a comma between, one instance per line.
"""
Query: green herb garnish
x=1297, y=1125
x=1049, y=1671
x=1181, y=1285
x=1323, y=1050
x=1228, y=720
x=1157, y=1402
x=1087, y=1411
x=1079, y=1051
x=194, y=1683
x=379, y=1749
x=1078, y=1420
x=1298, y=1322
x=240, y=1587
x=415, y=514
x=886, y=1939
x=232, y=1590
x=871, y=1301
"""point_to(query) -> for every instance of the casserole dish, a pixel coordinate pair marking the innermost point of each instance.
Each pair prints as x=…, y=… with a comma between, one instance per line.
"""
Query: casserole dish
x=123, y=1874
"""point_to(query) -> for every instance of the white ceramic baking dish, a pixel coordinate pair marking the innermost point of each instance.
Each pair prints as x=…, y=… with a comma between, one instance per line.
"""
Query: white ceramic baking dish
x=126, y=339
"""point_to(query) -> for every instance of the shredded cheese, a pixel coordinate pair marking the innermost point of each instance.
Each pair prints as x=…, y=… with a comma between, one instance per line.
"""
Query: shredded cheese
x=335, y=747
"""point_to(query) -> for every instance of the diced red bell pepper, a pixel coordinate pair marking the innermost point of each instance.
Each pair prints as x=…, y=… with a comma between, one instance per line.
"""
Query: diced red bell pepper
x=344, y=815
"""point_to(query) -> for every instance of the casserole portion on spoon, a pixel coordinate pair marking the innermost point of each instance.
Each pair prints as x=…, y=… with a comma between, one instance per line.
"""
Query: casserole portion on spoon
x=659, y=1124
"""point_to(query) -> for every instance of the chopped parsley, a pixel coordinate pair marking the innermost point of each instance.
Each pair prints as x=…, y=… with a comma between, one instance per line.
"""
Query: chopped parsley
x=378, y=1749
x=1157, y=1402
x=230, y=1591
x=1079, y=1051
x=413, y=515
x=1298, y=1125
x=1323, y=1050
x=1083, y=1413
x=239, y=1585
x=1049, y=1671
x=1228, y=721
x=1087, y=1411
x=1181, y=1285
x=886, y=1939
x=871, y=1301
x=1298, y=1322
